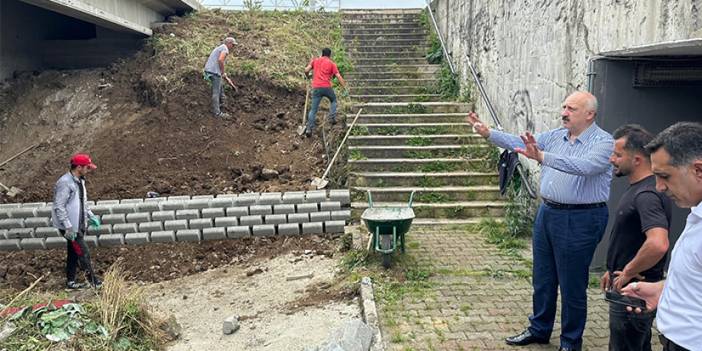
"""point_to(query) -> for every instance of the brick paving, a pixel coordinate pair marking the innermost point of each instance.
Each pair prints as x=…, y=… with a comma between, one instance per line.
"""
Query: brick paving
x=477, y=296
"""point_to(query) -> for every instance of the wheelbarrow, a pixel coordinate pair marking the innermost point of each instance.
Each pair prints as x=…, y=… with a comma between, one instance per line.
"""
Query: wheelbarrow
x=388, y=226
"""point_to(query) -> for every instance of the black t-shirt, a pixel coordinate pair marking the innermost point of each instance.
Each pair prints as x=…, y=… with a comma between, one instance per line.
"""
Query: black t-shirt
x=640, y=209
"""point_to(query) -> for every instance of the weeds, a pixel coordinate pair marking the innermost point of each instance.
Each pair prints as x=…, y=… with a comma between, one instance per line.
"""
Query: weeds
x=520, y=210
x=360, y=130
x=432, y=197
x=437, y=166
x=357, y=155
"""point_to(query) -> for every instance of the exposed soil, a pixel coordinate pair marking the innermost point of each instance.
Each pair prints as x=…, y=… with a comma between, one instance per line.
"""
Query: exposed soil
x=154, y=262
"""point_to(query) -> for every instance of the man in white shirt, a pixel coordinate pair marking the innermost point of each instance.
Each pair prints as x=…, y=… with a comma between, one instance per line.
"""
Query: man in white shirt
x=676, y=161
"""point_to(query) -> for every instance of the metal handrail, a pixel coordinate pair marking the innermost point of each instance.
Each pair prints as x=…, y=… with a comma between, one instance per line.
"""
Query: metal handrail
x=441, y=39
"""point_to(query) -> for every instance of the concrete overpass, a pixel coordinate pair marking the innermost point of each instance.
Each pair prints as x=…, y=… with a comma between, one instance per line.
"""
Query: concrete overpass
x=46, y=34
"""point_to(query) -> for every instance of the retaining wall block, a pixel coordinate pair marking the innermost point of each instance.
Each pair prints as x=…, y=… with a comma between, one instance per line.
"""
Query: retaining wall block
x=201, y=223
x=289, y=229
x=3, y=234
x=263, y=230
x=23, y=212
x=91, y=240
x=124, y=228
x=10, y=245
x=276, y=219
x=46, y=232
x=220, y=202
x=320, y=216
x=246, y=199
x=270, y=199
x=33, y=204
x=163, y=216
x=55, y=243
x=32, y=244
x=333, y=227
x=178, y=198
x=20, y=233
x=238, y=232
x=100, y=210
x=294, y=197
x=237, y=211
x=36, y=222
x=284, y=209
x=200, y=197
x=188, y=235
x=213, y=212
x=107, y=202
x=114, y=218
x=137, y=239
x=9, y=206
x=167, y=236
x=139, y=217
x=214, y=233
x=316, y=196
x=260, y=210
x=172, y=205
x=251, y=220
x=131, y=201
x=178, y=224
x=10, y=223
x=45, y=211
x=4, y=214
x=298, y=217
x=148, y=207
x=197, y=204
x=330, y=206
x=343, y=215
x=227, y=196
x=307, y=208
x=104, y=229
x=111, y=240
x=188, y=214
x=149, y=227
x=124, y=208
x=313, y=228
x=340, y=195
x=226, y=222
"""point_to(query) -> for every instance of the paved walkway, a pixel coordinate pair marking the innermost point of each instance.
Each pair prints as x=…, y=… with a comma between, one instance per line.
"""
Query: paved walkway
x=476, y=296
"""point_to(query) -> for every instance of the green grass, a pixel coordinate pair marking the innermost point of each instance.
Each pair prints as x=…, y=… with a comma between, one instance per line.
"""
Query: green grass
x=428, y=182
x=431, y=197
x=421, y=154
x=419, y=141
x=356, y=155
x=359, y=130
x=390, y=130
x=437, y=166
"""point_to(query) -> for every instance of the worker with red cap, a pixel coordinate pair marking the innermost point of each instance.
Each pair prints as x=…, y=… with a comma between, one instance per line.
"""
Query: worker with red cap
x=71, y=215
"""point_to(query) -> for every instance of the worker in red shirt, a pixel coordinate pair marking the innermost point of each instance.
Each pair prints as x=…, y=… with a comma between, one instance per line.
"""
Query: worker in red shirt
x=324, y=69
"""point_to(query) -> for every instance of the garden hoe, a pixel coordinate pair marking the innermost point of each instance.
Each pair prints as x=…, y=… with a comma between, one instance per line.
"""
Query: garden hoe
x=321, y=183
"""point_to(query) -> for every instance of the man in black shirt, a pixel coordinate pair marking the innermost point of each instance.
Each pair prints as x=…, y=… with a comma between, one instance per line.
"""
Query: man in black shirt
x=639, y=238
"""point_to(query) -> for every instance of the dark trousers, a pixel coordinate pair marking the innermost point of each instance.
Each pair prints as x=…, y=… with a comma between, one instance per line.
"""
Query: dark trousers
x=669, y=345
x=76, y=258
x=564, y=242
x=317, y=95
x=629, y=331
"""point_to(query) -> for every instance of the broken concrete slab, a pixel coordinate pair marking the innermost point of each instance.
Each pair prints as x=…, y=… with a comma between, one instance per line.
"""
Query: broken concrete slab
x=230, y=325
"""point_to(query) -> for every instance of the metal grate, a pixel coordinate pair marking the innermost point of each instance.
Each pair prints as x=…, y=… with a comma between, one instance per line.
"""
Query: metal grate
x=687, y=73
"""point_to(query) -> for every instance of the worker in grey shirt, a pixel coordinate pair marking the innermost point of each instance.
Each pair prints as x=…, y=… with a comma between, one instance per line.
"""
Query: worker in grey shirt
x=70, y=215
x=214, y=73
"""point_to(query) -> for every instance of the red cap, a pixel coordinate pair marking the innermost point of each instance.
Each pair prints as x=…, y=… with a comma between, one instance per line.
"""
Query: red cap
x=82, y=160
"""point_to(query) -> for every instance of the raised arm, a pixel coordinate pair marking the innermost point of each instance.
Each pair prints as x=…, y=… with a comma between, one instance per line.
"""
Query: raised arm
x=594, y=162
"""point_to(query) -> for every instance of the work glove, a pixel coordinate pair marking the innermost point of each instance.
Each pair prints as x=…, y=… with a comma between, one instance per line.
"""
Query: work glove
x=70, y=235
x=94, y=222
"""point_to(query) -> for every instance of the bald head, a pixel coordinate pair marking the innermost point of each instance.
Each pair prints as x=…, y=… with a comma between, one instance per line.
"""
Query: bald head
x=579, y=110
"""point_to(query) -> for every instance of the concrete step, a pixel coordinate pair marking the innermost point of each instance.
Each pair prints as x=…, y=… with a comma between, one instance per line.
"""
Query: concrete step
x=384, y=30
x=351, y=11
x=389, y=90
x=421, y=50
x=414, y=128
x=421, y=68
x=408, y=118
x=368, y=27
x=390, y=82
x=397, y=97
x=429, y=195
x=375, y=22
x=464, y=209
x=407, y=107
x=394, y=76
x=432, y=151
x=379, y=55
x=415, y=140
x=349, y=38
x=451, y=221
x=373, y=42
x=421, y=165
x=377, y=14
x=417, y=60
x=434, y=179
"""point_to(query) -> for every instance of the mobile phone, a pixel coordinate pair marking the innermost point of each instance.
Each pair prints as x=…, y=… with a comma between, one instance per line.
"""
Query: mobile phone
x=633, y=302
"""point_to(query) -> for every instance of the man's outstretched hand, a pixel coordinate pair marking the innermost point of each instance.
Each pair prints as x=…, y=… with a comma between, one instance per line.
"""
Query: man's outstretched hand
x=649, y=292
x=531, y=149
x=478, y=125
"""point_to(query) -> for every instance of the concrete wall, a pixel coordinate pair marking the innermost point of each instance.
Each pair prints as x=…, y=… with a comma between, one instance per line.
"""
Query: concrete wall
x=531, y=54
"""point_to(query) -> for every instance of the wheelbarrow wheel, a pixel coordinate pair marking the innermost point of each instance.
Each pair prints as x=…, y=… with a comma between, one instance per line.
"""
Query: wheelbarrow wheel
x=385, y=244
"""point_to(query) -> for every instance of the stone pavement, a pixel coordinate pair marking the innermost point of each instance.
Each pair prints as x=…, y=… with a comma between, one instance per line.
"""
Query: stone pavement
x=477, y=295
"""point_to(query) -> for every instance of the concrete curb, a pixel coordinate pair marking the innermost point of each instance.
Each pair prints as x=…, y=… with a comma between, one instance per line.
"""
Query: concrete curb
x=370, y=313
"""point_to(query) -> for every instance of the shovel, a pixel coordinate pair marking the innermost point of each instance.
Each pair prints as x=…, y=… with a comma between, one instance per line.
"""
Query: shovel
x=301, y=128
x=321, y=183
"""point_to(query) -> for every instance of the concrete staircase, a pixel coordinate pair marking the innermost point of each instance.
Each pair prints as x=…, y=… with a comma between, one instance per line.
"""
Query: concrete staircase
x=407, y=139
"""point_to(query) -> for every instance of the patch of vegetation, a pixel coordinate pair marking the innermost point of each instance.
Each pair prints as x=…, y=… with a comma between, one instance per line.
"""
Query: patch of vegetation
x=437, y=166
x=520, y=210
x=428, y=182
x=390, y=130
x=360, y=130
x=357, y=155
x=431, y=197
x=429, y=130
x=497, y=234
x=416, y=108
x=419, y=154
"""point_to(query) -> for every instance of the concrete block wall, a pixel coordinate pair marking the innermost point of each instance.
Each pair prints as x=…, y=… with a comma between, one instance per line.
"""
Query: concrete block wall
x=531, y=54
x=183, y=218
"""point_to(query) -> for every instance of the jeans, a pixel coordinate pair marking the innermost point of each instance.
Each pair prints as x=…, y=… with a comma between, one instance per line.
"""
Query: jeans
x=629, y=331
x=217, y=93
x=317, y=95
x=564, y=242
x=74, y=259
x=669, y=345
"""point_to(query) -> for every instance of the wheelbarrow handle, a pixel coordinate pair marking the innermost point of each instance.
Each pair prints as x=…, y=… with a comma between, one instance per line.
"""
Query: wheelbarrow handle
x=409, y=204
x=370, y=199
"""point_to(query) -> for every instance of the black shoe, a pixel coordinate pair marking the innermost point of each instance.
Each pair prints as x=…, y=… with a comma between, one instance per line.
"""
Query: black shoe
x=308, y=133
x=525, y=338
x=97, y=283
x=333, y=121
x=568, y=349
x=73, y=285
